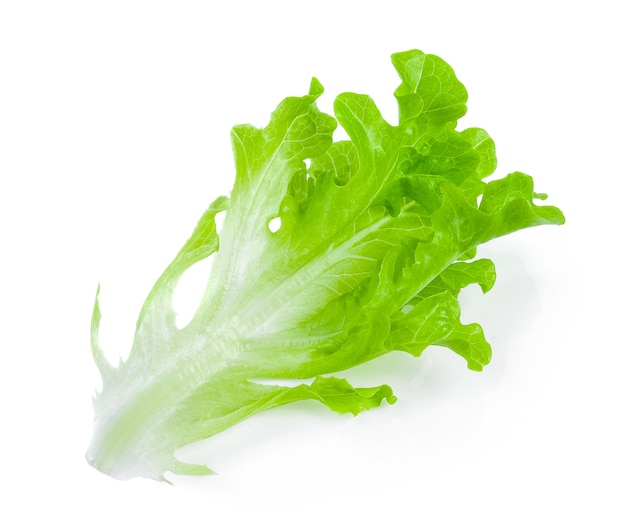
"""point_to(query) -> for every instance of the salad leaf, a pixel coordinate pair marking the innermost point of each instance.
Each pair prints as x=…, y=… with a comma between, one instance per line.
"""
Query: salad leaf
x=377, y=237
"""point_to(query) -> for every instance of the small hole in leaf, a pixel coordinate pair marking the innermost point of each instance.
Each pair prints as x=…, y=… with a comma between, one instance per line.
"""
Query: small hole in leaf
x=219, y=220
x=274, y=224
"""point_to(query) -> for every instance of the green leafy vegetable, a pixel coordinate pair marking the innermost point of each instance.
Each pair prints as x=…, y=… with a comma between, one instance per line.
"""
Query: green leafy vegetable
x=376, y=239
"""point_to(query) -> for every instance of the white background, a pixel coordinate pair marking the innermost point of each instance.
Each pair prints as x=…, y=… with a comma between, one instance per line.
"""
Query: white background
x=114, y=136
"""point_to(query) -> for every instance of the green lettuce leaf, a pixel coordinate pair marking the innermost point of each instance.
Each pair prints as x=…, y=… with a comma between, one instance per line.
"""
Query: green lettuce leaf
x=376, y=240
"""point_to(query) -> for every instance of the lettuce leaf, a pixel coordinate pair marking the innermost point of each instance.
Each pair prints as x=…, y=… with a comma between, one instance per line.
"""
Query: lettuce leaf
x=377, y=237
